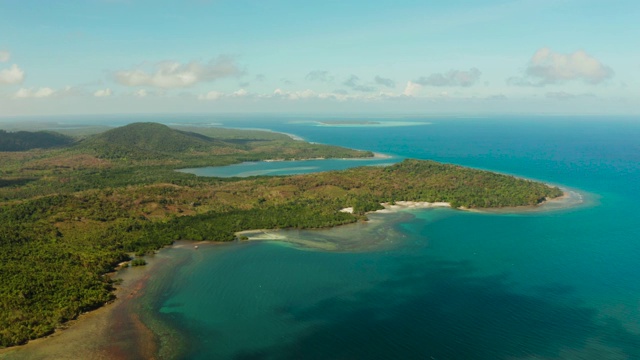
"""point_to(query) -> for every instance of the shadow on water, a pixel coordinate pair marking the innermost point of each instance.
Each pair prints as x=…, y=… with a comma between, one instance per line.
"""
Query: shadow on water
x=441, y=311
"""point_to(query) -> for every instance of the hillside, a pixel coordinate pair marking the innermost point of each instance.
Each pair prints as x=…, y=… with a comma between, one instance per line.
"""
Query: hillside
x=149, y=141
x=145, y=153
x=138, y=142
x=27, y=140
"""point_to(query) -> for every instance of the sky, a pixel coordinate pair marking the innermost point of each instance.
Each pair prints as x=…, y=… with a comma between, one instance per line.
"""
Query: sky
x=348, y=56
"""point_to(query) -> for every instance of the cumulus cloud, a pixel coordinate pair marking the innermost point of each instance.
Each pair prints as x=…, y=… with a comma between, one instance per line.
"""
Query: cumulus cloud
x=42, y=92
x=103, y=93
x=211, y=95
x=411, y=89
x=353, y=82
x=4, y=56
x=300, y=95
x=549, y=67
x=240, y=93
x=216, y=95
x=46, y=92
x=319, y=75
x=170, y=74
x=384, y=82
x=12, y=75
x=452, y=78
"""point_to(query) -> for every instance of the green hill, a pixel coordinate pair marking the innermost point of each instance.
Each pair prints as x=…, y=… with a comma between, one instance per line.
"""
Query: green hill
x=27, y=140
x=148, y=141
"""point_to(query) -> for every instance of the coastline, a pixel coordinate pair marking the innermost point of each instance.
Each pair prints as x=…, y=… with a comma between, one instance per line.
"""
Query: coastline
x=569, y=199
x=376, y=234
x=103, y=333
x=313, y=239
x=94, y=330
x=409, y=205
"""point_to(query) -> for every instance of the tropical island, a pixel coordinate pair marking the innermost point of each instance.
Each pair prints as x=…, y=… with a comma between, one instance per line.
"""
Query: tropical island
x=72, y=210
x=348, y=122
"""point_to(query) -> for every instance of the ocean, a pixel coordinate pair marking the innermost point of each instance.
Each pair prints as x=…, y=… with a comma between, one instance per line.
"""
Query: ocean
x=431, y=283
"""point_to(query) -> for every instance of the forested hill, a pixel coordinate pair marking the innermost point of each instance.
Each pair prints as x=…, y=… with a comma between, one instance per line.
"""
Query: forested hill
x=202, y=146
x=150, y=141
x=27, y=140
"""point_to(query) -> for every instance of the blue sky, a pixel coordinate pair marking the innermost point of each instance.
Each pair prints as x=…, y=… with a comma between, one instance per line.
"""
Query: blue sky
x=402, y=56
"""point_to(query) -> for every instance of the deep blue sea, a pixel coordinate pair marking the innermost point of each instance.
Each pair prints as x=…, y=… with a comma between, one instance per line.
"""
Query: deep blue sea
x=561, y=284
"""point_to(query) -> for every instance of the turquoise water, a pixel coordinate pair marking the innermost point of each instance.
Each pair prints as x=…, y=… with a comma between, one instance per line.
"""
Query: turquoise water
x=272, y=168
x=562, y=284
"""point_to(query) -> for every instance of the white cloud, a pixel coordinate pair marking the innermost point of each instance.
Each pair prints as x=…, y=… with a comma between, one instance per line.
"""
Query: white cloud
x=12, y=75
x=4, y=56
x=216, y=95
x=240, y=93
x=548, y=67
x=211, y=95
x=42, y=92
x=170, y=74
x=103, y=93
x=411, y=89
x=451, y=78
x=299, y=95
x=45, y=92
x=141, y=93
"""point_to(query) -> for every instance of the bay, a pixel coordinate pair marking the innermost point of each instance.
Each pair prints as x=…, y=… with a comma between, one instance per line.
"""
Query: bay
x=453, y=284
x=424, y=284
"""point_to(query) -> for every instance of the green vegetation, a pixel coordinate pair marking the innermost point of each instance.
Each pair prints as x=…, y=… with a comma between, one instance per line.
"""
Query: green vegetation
x=69, y=216
x=138, y=262
x=25, y=140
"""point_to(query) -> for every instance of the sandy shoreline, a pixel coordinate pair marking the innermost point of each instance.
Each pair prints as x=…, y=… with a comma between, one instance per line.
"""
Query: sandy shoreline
x=105, y=333
x=567, y=200
x=407, y=205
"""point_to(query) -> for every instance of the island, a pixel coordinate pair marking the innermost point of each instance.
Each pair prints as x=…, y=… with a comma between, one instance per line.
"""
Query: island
x=348, y=122
x=73, y=210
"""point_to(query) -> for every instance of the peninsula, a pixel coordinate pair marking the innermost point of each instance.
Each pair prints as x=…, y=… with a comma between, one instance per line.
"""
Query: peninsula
x=70, y=213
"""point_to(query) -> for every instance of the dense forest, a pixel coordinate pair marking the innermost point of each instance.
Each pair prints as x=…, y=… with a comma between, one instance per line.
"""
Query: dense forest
x=69, y=216
x=26, y=140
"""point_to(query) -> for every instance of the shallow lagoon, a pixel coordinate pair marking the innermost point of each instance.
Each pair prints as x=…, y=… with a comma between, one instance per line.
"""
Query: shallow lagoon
x=274, y=168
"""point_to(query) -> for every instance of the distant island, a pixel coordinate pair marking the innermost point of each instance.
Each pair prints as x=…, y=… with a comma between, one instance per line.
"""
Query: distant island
x=69, y=214
x=349, y=122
